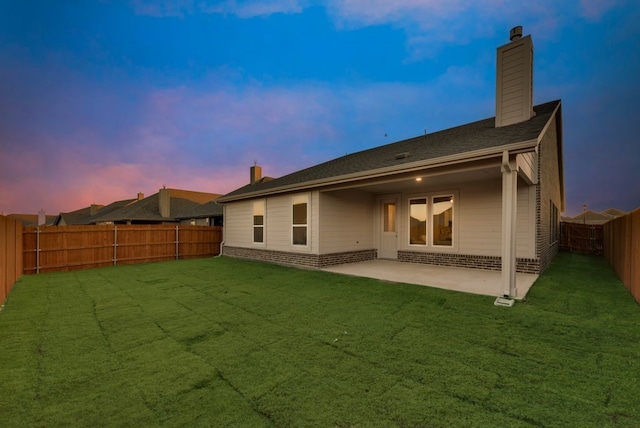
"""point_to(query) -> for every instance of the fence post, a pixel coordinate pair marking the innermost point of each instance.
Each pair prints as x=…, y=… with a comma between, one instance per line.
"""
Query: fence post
x=37, y=250
x=115, y=245
x=177, y=241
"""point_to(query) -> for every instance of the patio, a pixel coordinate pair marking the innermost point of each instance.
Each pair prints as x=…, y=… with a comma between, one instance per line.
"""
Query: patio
x=476, y=281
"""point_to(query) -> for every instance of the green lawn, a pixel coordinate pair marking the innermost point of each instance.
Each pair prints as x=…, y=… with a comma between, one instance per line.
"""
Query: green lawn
x=225, y=342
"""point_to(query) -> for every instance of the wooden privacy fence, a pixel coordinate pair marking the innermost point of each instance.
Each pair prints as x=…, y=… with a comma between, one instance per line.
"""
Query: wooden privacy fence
x=10, y=254
x=67, y=248
x=622, y=250
x=581, y=238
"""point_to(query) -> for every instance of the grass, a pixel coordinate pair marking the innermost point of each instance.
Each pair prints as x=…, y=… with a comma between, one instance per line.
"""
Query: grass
x=226, y=342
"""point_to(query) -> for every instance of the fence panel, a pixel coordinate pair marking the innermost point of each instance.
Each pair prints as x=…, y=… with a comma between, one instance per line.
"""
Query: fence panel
x=195, y=241
x=634, y=284
x=581, y=238
x=66, y=248
x=622, y=250
x=10, y=255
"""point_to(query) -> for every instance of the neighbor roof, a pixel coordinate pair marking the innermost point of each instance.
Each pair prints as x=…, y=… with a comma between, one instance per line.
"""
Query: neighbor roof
x=469, y=138
x=83, y=216
x=183, y=204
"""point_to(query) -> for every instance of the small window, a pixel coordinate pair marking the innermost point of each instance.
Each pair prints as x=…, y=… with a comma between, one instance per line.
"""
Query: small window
x=299, y=223
x=258, y=222
x=443, y=220
x=389, y=216
x=418, y=221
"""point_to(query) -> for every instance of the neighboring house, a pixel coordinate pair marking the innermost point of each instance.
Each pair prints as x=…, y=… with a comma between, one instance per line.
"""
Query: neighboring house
x=595, y=218
x=487, y=194
x=209, y=214
x=89, y=214
x=34, y=219
x=166, y=206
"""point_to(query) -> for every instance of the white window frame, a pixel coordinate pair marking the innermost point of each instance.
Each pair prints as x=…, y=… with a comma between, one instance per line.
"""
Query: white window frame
x=430, y=197
x=426, y=239
x=296, y=200
x=263, y=204
x=453, y=218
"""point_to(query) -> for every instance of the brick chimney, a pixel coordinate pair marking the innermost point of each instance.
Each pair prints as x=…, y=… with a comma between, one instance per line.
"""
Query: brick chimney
x=164, y=202
x=514, y=80
x=255, y=173
x=140, y=196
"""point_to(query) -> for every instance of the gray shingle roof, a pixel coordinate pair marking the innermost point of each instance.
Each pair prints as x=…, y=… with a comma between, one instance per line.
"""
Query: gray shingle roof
x=467, y=138
x=84, y=216
x=183, y=204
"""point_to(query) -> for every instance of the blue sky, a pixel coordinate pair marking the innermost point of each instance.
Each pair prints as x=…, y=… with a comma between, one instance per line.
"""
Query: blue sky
x=100, y=100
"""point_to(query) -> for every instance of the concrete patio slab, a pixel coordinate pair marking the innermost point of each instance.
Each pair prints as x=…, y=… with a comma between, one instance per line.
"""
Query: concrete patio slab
x=475, y=281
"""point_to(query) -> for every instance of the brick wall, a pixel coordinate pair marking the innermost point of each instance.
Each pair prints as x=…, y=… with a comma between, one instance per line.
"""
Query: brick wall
x=547, y=191
x=300, y=259
x=467, y=261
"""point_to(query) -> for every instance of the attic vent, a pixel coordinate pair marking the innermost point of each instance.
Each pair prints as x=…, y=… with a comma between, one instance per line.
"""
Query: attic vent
x=403, y=155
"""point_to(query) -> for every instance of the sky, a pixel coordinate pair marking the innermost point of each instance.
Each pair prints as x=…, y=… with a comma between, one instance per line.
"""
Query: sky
x=100, y=100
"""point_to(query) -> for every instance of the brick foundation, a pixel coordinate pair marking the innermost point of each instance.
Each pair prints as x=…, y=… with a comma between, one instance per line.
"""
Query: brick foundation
x=300, y=259
x=467, y=261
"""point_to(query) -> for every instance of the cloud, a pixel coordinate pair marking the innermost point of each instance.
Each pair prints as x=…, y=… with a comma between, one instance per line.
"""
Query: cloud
x=242, y=9
x=163, y=8
x=204, y=136
x=594, y=9
x=250, y=9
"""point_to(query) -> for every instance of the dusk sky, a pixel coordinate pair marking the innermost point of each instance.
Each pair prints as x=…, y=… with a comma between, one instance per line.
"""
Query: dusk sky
x=100, y=100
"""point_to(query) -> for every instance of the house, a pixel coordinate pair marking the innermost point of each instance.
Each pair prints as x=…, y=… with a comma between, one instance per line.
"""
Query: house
x=34, y=219
x=166, y=206
x=209, y=214
x=486, y=194
x=595, y=218
x=88, y=214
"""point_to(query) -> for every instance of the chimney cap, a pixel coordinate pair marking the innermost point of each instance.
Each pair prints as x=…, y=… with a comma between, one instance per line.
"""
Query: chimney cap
x=515, y=33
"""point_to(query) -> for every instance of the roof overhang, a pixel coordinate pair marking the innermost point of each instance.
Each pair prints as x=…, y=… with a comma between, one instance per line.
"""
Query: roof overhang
x=457, y=160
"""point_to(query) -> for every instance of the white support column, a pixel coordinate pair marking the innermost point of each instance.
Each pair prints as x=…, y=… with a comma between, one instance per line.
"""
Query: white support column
x=509, y=205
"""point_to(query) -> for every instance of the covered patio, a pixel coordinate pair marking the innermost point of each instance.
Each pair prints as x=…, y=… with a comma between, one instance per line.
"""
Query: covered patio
x=476, y=281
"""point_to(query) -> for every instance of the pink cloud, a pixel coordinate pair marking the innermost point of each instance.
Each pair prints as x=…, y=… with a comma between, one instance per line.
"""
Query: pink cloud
x=594, y=9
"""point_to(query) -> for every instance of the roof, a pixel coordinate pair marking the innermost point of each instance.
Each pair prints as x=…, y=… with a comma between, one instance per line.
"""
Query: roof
x=392, y=158
x=183, y=204
x=88, y=214
x=80, y=216
x=614, y=212
x=590, y=217
x=32, y=219
x=210, y=209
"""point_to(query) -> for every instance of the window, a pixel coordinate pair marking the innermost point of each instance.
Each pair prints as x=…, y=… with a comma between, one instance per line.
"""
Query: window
x=299, y=223
x=389, y=216
x=553, y=223
x=418, y=221
x=258, y=222
x=443, y=220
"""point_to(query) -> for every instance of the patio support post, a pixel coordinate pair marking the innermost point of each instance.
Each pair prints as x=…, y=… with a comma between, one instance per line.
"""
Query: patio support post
x=509, y=205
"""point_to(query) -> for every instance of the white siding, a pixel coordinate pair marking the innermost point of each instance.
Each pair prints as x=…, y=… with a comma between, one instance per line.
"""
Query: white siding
x=480, y=217
x=528, y=165
x=346, y=221
x=514, y=90
x=238, y=221
x=480, y=212
x=278, y=230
